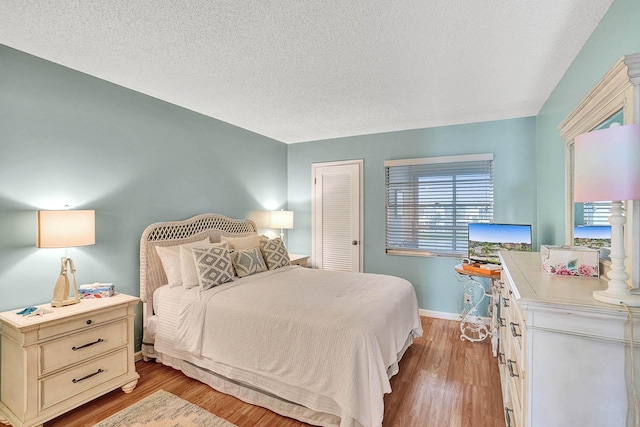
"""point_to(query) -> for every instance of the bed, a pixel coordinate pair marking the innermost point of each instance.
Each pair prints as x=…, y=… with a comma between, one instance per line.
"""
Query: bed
x=317, y=346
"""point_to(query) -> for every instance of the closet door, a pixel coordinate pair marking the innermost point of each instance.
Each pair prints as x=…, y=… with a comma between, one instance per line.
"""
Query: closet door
x=337, y=216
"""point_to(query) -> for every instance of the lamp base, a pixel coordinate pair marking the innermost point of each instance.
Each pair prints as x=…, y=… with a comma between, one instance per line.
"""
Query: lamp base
x=69, y=301
x=61, y=290
x=617, y=299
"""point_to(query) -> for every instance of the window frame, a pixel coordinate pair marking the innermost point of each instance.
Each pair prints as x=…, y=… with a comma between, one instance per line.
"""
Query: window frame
x=458, y=237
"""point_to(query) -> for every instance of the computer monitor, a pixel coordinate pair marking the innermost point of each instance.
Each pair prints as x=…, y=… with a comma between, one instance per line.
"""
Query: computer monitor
x=485, y=240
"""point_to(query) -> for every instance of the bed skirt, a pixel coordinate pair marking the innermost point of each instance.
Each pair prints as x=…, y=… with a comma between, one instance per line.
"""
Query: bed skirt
x=255, y=396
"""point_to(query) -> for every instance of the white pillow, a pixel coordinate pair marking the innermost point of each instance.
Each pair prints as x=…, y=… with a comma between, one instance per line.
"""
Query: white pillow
x=245, y=242
x=188, y=264
x=170, y=259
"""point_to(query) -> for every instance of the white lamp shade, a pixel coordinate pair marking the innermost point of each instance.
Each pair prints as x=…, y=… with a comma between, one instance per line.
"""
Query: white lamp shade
x=65, y=229
x=262, y=219
x=607, y=164
x=281, y=219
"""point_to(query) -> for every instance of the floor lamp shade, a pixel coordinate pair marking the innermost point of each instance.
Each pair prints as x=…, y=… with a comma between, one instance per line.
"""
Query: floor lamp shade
x=66, y=229
x=606, y=168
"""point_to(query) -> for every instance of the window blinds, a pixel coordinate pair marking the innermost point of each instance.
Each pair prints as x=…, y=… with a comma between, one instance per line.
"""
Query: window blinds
x=596, y=213
x=430, y=202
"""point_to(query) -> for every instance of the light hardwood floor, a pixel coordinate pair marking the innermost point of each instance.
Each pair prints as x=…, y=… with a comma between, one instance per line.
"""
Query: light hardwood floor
x=443, y=381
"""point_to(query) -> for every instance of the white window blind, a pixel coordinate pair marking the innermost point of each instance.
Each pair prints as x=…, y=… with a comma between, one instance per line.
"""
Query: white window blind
x=596, y=213
x=431, y=201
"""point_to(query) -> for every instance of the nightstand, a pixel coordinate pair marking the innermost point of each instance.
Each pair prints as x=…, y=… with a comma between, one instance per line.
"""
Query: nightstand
x=300, y=260
x=54, y=363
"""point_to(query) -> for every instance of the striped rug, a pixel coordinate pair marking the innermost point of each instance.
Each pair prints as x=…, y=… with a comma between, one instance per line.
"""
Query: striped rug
x=163, y=409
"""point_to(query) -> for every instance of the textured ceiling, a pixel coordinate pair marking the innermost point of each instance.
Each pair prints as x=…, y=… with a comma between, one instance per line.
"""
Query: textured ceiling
x=307, y=70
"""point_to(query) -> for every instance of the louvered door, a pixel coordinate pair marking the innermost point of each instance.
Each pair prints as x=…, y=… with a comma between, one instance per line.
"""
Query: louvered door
x=337, y=209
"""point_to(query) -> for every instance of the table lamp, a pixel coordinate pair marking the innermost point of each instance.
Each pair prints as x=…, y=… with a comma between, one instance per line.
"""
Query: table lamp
x=607, y=168
x=281, y=219
x=66, y=229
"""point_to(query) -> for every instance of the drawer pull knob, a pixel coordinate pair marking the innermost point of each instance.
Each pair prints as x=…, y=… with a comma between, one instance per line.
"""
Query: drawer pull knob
x=501, y=322
x=505, y=302
x=507, y=415
x=510, y=364
x=89, y=322
x=86, y=377
x=501, y=358
x=87, y=345
x=513, y=329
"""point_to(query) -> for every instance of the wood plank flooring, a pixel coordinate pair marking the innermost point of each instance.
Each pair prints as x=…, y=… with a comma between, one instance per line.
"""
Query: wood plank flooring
x=443, y=381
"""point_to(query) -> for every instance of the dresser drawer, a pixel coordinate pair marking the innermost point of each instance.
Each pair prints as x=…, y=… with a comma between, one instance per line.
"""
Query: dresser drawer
x=81, y=346
x=58, y=387
x=83, y=321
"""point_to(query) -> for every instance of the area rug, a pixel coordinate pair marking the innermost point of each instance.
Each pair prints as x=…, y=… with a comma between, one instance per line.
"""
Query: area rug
x=163, y=409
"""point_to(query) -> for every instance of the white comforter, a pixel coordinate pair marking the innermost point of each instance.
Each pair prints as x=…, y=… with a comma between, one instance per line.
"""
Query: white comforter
x=337, y=336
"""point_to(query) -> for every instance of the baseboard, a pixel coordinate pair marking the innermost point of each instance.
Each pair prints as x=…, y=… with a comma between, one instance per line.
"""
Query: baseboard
x=447, y=316
x=137, y=356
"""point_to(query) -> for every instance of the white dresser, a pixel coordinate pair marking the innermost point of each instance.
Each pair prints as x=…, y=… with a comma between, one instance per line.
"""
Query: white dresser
x=53, y=363
x=565, y=358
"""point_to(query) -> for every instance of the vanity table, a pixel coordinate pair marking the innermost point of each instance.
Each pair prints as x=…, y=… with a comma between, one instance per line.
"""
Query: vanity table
x=564, y=358
x=472, y=327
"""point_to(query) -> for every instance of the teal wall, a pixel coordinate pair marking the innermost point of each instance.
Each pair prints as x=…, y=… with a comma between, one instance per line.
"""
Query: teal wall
x=68, y=138
x=513, y=145
x=618, y=34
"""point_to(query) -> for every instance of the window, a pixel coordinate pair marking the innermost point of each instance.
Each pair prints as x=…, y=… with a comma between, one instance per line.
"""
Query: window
x=431, y=201
x=596, y=213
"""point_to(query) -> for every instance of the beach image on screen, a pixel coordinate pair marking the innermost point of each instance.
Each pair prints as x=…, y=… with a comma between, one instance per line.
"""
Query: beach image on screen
x=485, y=240
x=592, y=236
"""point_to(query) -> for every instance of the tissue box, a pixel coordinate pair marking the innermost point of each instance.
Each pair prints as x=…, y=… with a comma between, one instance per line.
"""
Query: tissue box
x=96, y=290
x=576, y=261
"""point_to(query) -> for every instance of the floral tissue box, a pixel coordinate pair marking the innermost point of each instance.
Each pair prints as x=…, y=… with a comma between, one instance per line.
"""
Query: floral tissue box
x=576, y=261
x=96, y=290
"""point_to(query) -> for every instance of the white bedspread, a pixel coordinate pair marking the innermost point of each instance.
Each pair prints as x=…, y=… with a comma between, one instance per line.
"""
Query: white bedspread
x=331, y=340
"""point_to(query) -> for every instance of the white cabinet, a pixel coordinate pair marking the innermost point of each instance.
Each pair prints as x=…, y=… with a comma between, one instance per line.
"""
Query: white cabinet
x=53, y=363
x=565, y=359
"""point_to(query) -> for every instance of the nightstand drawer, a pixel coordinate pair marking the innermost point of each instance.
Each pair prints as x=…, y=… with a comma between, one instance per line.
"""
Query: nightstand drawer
x=84, y=321
x=56, y=388
x=75, y=348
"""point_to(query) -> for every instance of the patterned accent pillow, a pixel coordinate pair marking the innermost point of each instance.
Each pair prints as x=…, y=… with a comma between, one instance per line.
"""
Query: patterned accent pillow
x=188, y=266
x=275, y=253
x=213, y=265
x=248, y=261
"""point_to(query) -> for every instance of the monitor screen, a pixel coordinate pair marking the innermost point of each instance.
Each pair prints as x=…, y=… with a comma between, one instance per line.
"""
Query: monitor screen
x=485, y=240
x=592, y=236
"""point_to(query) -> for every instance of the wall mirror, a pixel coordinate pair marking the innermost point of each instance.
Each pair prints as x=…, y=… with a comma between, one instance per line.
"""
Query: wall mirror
x=614, y=100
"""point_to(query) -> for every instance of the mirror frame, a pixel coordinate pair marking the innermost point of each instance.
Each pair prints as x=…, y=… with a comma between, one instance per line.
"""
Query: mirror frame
x=619, y=89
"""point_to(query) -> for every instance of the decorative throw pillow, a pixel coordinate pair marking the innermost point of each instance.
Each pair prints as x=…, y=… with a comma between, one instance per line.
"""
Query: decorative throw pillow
x=248, y=261
x=170, y=259
x=275, y=253
x=188, y=265
x=246, y=242
x=213, y=265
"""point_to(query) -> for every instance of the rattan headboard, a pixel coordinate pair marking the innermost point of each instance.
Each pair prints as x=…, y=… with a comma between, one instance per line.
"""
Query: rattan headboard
x=176, y=233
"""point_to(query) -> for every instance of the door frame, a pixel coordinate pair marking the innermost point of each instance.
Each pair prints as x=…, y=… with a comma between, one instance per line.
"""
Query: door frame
x=314, y=167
